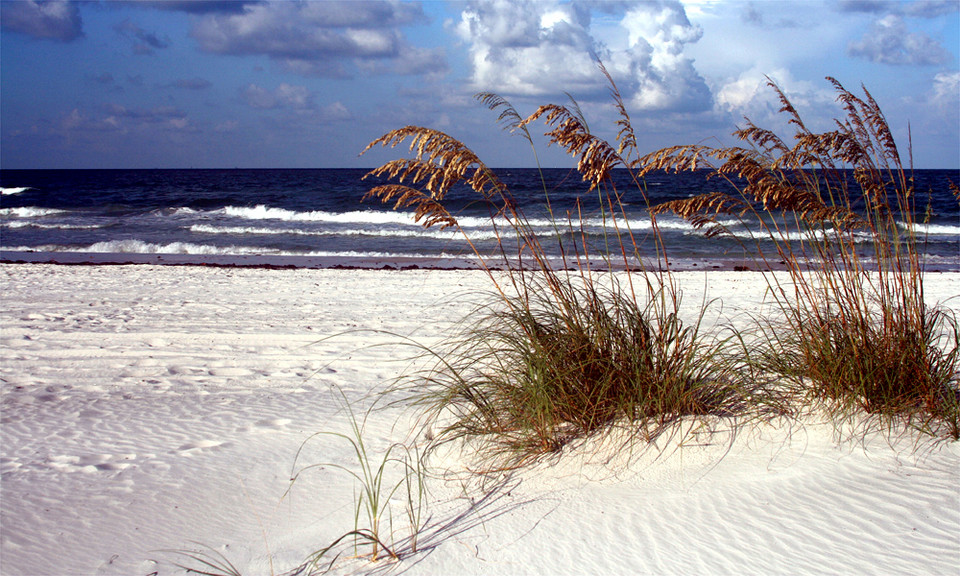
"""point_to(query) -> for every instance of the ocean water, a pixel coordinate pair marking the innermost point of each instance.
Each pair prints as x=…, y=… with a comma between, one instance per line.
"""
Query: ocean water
x=316, y=217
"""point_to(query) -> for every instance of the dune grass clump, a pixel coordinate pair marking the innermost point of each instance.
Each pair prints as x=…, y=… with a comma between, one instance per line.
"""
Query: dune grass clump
x=891, y=370
x=570, y=348
x=528, y=378
x=839, y=212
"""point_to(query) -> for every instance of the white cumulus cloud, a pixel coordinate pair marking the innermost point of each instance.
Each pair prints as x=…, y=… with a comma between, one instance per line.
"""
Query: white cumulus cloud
x=51, y=20
x=329, y=38
x=890, y=42
x=945, y=97
x=750, y=96
x=283, y=96
x=546, y=47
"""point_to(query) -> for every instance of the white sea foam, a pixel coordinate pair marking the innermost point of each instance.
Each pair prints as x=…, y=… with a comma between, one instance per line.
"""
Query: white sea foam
x=470, y=224
x=939, y=230
x=12, y=191
x=263, y=212
x=26, y=224
x=141, y=247
x=410, y=232
x=183, y=211
x=239, y=230
x=29, y=212
x=378, y=217
x=479, y=230
x=740, y=229
x=794, y=236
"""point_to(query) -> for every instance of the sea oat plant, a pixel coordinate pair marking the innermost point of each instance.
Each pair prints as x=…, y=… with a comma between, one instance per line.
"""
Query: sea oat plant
x=566, y=350
x=399, y=469
x=840, y=212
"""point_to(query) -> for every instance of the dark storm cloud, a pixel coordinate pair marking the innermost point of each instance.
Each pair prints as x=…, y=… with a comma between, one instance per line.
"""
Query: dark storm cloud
x=52, y=20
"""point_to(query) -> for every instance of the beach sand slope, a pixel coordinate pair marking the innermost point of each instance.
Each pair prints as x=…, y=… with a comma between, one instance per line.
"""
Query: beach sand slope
x=150, y=408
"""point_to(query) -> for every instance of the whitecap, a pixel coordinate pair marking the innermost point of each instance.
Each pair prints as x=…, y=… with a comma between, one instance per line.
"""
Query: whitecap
x=937, y=230
x=141, y=247
x=25, y=224
x=29, y=212
x=411, y=232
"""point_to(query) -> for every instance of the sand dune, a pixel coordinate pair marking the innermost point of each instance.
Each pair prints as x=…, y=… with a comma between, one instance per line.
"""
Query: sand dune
x=148, y=408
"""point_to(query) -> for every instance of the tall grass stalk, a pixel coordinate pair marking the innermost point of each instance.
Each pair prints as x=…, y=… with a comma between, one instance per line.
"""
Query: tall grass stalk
x=840, y=211
x=379, y=479
x=569, y=348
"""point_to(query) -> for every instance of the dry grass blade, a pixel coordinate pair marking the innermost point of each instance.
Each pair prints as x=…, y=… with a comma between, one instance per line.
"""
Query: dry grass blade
x=626, y=137
x=596, y=156
x=440, y=162
x=428, y=211
x=677, y=159
x=509, y=117
x=702, y=210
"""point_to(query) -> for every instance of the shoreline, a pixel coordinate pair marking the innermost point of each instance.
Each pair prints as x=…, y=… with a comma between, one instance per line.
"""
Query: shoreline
x=400, y=263
x=235, y=261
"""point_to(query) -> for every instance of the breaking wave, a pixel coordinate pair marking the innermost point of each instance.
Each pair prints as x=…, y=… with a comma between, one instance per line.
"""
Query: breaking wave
x=29, y=212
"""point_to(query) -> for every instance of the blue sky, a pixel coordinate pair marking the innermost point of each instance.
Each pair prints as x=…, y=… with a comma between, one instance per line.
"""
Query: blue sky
x=170, y=84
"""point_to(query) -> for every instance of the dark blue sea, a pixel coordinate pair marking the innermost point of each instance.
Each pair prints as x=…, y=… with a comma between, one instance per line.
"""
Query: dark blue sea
x=316, y=218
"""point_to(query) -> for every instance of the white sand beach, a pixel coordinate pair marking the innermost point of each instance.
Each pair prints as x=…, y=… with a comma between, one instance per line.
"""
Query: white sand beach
x=155, y=408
